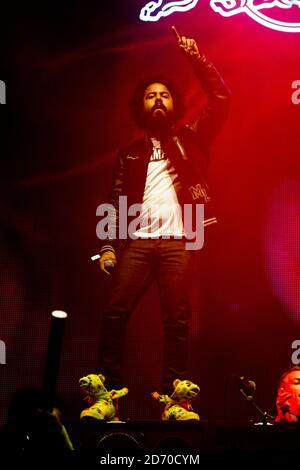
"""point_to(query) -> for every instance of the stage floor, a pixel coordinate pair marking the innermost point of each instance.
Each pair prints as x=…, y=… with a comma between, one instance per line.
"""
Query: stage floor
x=202, y=436
x=138, y=443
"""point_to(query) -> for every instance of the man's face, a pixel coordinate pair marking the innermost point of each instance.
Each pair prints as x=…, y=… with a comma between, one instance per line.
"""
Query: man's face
x=158, y=103
x=289, y=392
x=291, y=384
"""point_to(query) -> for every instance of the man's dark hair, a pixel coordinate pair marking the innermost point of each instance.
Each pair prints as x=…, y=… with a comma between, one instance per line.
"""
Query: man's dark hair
x=136, y=101
x=287, y=372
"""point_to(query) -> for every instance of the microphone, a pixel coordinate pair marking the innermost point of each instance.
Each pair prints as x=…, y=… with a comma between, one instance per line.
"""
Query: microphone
x=109, y=264
x=247, y=389
x=247, y=386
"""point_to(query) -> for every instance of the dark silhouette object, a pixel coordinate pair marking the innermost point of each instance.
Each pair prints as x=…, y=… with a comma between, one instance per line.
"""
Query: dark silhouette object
x=173, y=444
x=34, y=424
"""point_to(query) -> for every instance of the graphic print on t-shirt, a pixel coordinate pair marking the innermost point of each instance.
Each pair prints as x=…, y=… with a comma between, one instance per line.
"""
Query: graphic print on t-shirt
x=160, y=212
x=157, y=155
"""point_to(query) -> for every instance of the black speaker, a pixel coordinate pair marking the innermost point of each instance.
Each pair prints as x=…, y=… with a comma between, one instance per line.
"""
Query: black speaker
x=151, y=435
x=200, y=436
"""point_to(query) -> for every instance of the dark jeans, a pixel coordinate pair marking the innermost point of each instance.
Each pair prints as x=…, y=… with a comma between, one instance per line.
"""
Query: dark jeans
x=139, y=264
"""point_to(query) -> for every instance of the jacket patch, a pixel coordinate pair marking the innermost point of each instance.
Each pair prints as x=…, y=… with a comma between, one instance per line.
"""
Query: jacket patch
x=132, y=157
x=198, y=192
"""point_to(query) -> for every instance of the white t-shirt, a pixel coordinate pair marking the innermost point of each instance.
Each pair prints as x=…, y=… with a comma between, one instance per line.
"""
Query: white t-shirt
x=161, y=213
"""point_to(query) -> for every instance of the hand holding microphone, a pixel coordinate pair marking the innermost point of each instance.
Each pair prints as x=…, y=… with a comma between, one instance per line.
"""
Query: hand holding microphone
x=288, y=405
x=107, y=261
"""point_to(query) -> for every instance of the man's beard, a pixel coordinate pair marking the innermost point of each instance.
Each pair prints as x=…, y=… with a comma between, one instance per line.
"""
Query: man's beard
x=159, y=119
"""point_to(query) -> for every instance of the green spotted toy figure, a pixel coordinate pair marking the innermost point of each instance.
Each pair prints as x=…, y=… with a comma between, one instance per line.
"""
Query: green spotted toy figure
x=103, y=403
x=178, y=406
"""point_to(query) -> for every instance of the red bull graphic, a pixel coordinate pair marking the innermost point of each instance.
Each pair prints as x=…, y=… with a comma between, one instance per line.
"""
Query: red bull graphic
x=153, y=11
x=264, y=12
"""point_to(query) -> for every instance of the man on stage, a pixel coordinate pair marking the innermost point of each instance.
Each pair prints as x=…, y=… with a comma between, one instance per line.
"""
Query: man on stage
x=164, y=172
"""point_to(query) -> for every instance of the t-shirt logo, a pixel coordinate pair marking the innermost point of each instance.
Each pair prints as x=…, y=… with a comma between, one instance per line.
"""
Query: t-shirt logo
x=157, y=155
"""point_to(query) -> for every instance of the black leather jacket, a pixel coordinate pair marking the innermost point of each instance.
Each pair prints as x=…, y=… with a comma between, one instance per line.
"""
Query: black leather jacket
x=187, y=149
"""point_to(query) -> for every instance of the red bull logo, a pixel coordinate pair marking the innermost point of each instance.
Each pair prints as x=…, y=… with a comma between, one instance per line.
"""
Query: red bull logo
x=153, y=11
x=281, y=15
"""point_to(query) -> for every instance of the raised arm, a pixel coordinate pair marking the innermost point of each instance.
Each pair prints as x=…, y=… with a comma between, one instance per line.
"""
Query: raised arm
x=214, y=113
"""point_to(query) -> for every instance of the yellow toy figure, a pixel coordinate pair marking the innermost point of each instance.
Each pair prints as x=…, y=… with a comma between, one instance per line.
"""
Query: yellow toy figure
x=101, y=400
x=178, y=406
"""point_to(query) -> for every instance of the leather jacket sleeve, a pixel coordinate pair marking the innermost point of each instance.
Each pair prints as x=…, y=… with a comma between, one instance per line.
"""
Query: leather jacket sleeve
x=214, y=113
x=117, y=188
